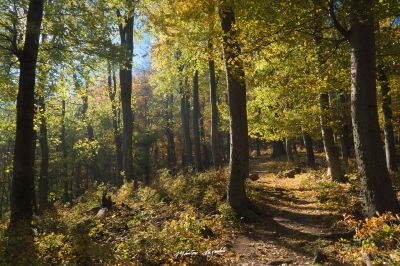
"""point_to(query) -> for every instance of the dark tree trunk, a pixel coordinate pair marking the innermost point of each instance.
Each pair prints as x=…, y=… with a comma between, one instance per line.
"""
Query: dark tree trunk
x=205, y=146
x=65, y=155
x=187, y=157
x=239, y=148
x=126, y=34
x=214, y=135
x=258, y=147
x=345, y=130
x=171, y=155
x=93, y=167
x=146, y=180
x=44, y=164
x=377, y=187
x=23, y=180
x=278, y=149
x=331, y=151
x=156, y=155
x=196, y=123
x=390, y=149
x=112, y=93
x=308, y=143
x=289, y=150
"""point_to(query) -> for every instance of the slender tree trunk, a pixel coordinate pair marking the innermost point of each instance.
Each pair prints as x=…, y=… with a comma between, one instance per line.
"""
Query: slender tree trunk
x=126, y=34
x=345, y=128
x=331, y=151
x=171, y=155
x=258, y=147
x=308, y=143
x=93, y=166
x=65, y=156
x=214, y=135
x=156, y=155
x=147, y=180
x=289, y=150
x=205, y=146
x=239, y=148
x=112, y=93
x=44, y=149
x=390, y=148
x=196, y=123
x=377, y=187
x=23, y=180
x=187, y=158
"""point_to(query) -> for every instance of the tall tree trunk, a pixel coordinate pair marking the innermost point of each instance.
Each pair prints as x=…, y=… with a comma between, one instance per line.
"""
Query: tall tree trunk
x=278, y=149
x=377, y=187
x=390, y=149
x=156, y=155
x=65, y=155
x=214, y=134
x=289, y=150
x=23, y=180
x=345, y=128
x=239, y=148
x=171, y=155
x=308, y=143
x=44, y=164
x=258, y=147
x=331, y=151
x=126, y=34
x=205, y=146
x=112, y=93
x=196, y=123
x=187, y=158
x=93, y=166
x=146, y=179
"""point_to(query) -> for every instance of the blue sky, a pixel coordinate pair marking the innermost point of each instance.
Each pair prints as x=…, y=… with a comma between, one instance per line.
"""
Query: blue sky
x=141, y=51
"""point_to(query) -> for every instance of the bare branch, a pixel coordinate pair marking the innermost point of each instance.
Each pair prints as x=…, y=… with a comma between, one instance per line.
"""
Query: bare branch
x=336, y=23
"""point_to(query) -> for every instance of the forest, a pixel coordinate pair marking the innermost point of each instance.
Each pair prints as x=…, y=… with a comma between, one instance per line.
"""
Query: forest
x=199, y=132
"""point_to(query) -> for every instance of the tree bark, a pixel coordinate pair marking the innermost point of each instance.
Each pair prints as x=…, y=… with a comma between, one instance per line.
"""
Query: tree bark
x=331, y=151
x=112, y=93
x=278, y=149
x=23, y=180
x=44, y=149
x=258, y=147
x=214, y=134
x=65, y=156
x=390, y=148
x=187, y=157
x=377, y=187
x=308, y=143
x=345, y=128
x=196, y=123
x=235, y=76
x=171, y=155
x=126, y=35
x=289, y=150
x=205, y=145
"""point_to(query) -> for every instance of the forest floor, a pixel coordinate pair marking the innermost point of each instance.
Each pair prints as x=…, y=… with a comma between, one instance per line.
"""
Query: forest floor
x=295, y=227
x=184, y=220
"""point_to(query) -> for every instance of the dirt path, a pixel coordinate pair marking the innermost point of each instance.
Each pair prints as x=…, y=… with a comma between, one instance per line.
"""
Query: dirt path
x=296, y=224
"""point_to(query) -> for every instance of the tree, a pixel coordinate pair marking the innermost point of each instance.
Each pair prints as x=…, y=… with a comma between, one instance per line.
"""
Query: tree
x=125, y=74
x=214, y=134
x=390, y=148
x=196, y=123
x=22, y=183
x=377, y=188
x=235, y=76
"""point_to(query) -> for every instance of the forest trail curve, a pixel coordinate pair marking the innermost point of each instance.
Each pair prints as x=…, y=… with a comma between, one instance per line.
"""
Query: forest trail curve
x=295, y=226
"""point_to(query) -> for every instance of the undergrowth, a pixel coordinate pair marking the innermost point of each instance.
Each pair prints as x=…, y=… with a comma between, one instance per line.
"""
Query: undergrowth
x=182, y=219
